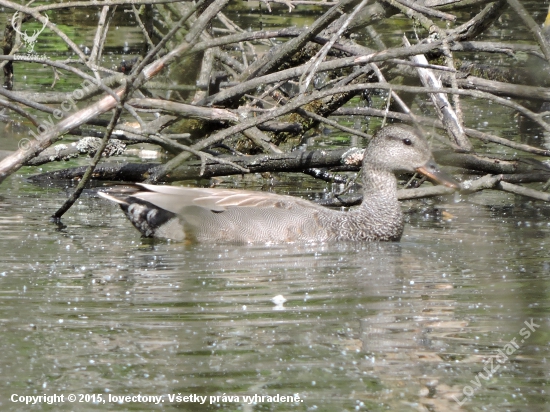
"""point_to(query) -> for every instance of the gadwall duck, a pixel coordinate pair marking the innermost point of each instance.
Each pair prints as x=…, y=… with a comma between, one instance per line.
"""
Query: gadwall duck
x=225, y=215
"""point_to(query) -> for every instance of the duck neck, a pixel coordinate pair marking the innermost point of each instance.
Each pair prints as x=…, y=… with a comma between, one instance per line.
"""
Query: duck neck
x=379, y=184
x=379, y=217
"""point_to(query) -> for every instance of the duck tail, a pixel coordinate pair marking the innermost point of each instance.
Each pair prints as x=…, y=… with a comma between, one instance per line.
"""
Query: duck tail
x=112, y=198
x=149, y=219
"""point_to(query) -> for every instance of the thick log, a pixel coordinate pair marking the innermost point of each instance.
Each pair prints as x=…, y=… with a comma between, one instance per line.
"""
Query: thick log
x=347, y=159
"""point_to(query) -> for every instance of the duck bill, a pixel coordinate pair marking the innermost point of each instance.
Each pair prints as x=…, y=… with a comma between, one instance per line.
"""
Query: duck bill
x=432, y=171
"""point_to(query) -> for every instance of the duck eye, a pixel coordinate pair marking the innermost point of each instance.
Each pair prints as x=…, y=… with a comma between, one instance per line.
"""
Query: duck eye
x=407, y=141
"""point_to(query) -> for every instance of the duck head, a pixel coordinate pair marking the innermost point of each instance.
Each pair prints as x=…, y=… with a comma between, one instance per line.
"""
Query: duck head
x=400, y=149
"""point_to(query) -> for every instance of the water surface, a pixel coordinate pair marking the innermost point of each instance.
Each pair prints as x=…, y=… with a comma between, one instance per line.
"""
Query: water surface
x=93, y=308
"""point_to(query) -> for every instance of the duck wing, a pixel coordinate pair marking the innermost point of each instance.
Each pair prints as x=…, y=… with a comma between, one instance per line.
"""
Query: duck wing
x=174, y=199
x=226, y=215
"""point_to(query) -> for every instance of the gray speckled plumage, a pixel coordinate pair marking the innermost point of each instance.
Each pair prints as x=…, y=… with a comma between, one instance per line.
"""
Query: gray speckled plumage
x=222, y=215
